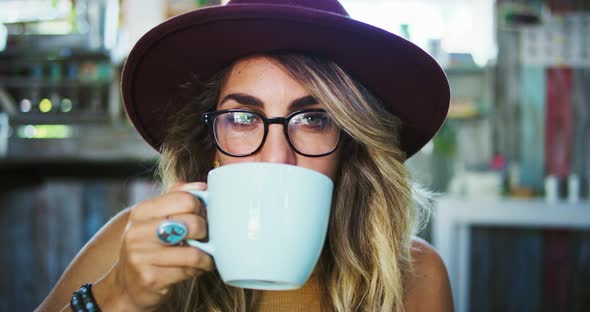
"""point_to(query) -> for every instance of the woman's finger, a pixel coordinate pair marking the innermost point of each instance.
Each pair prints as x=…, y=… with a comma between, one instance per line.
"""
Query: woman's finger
x=187, y=186
x=174, y=257
x=173, y=203
x=158, y=279
x=201, y=186
x=176, y=186
x=144, y=232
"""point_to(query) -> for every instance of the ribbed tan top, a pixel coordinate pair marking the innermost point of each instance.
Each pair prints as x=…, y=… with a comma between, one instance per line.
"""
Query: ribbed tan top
x=306, y=298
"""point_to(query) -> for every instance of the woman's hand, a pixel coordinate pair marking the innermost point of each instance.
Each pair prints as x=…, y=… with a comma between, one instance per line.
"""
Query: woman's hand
x=147, y=269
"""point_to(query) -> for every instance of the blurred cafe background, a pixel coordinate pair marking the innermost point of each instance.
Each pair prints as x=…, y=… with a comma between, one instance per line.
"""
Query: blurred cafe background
x=511, y=165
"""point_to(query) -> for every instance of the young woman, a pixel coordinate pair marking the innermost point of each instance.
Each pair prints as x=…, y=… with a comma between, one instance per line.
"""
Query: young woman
x=373, y=100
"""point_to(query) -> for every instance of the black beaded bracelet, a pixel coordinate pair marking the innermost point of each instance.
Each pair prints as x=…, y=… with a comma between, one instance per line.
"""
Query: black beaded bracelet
x=76, y=303
x=83, y=301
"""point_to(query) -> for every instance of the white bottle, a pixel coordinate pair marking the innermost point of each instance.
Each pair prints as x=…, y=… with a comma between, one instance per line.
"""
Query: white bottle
x=573, y=189
x=551, y=190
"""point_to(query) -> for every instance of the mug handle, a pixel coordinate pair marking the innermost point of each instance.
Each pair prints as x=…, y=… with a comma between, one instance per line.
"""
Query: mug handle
x=204, y=246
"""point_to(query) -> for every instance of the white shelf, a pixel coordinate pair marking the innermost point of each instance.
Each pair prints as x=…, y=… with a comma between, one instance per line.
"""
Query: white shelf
x=514, y=212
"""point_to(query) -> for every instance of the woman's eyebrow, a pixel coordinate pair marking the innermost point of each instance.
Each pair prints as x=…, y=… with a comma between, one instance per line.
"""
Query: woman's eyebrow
x=243, y=99
x=303, y=102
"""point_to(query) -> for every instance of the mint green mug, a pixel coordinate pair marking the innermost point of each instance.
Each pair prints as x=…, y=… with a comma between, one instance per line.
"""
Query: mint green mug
x=267, y=223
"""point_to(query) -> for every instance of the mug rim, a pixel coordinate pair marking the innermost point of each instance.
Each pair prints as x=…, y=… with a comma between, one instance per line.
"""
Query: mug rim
x=269, y=164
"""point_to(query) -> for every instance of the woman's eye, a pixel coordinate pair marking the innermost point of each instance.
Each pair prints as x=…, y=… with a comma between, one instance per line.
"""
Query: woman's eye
x=313, y=120
x=242, y=120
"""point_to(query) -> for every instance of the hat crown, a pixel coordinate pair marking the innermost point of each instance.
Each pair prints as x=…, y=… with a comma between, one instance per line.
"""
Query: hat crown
x=331, y=6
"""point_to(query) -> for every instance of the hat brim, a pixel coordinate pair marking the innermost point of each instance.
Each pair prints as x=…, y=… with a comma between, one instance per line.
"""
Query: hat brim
x=409, y=82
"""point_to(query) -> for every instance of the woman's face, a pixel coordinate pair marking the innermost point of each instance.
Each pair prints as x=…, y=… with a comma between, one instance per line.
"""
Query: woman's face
x=265, y=87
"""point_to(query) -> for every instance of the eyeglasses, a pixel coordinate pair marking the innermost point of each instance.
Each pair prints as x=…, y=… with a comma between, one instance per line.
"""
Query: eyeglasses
x=240, y=133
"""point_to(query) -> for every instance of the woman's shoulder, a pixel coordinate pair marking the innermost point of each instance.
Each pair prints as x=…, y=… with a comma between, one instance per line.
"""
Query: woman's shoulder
x=424, y=254
x=428, y=280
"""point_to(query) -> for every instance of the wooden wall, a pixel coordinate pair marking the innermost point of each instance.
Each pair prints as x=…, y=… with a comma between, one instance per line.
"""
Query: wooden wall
x=46, y=220
x=529, y=270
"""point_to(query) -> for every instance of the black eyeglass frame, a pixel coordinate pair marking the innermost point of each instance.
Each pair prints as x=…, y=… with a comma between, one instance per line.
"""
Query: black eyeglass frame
x=209, y=117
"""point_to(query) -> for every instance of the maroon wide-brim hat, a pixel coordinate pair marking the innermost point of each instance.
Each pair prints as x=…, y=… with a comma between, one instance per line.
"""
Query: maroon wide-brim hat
x=406, y=79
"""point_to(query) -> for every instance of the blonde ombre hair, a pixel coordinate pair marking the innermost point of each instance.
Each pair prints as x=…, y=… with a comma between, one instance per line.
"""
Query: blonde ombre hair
x=367, y=255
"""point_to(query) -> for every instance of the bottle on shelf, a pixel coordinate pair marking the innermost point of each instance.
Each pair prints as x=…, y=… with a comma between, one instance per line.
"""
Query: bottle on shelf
x=52, y=101
x=32, y=94
x=89, y=76
x=70, y=101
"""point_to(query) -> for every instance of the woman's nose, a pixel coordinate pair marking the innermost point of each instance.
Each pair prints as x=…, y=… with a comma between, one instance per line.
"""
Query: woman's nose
x=276, y=148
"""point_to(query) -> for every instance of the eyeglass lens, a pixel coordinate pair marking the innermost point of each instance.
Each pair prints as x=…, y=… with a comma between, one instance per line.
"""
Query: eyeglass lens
x=242, y=133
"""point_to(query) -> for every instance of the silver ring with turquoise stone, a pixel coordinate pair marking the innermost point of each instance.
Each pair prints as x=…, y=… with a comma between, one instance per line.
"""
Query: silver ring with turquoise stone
x=171, y=232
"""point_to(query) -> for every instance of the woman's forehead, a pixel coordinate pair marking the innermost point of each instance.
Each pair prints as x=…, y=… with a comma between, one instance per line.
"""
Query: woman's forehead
x=263, y=78
x=256, y=68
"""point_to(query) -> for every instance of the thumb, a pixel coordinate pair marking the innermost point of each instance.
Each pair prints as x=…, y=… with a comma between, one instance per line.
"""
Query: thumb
x=186, y=186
